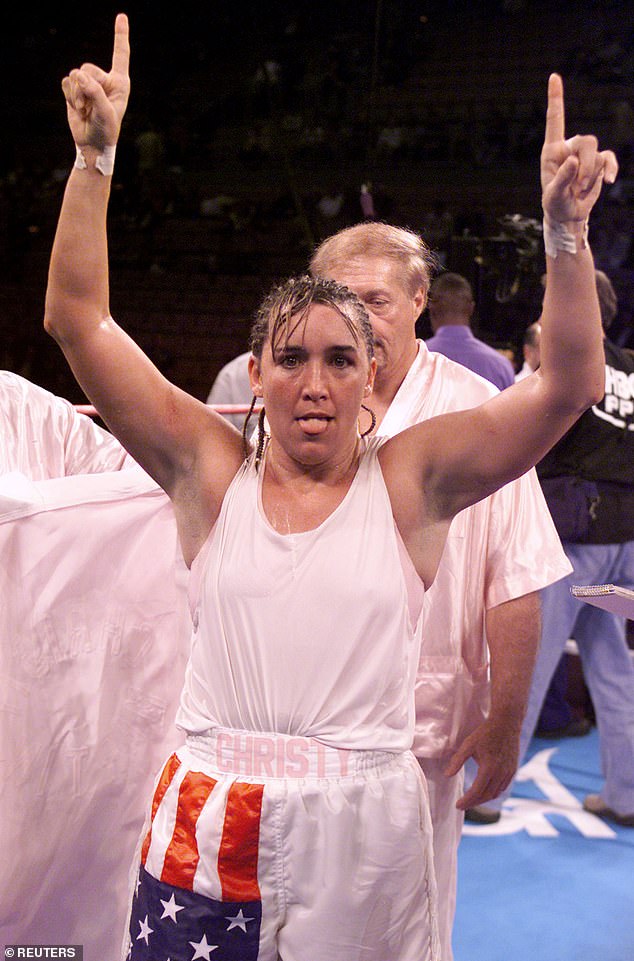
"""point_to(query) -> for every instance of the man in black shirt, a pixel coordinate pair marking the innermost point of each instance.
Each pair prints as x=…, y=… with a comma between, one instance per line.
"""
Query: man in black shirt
x=588, y=479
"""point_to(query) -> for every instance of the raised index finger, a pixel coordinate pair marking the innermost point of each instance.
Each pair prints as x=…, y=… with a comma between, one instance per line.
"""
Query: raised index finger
x=555, y=120
x=121, y=49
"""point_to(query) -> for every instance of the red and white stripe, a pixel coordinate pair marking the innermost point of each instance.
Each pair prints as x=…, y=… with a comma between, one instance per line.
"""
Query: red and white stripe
x=204, y=835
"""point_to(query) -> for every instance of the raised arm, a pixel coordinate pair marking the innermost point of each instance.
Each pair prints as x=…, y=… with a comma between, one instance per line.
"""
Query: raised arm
x=437, y=468
x=187, y=448
x=572, y=365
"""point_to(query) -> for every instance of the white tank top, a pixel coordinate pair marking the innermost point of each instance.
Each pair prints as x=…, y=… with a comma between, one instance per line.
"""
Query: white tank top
x=314, y=634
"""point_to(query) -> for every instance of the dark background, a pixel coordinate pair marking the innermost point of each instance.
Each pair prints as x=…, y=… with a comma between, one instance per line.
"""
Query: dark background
x=229, y=170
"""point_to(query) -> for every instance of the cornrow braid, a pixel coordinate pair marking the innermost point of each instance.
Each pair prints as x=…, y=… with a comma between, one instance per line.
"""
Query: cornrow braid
x=259, y=450
x=246, y=447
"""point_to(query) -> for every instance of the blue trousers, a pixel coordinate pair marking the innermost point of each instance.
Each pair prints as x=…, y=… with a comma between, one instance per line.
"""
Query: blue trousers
x=556, y=711
x=607, y=663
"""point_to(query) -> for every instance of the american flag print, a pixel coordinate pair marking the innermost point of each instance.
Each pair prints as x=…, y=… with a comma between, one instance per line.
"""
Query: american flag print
x=197, y=894
x=172, y=924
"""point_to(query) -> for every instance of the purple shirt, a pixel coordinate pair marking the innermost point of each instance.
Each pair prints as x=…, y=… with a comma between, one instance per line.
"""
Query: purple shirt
x=460, y=344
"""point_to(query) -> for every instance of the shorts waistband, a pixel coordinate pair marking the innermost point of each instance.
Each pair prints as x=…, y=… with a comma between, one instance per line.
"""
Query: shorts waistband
x=270, y=755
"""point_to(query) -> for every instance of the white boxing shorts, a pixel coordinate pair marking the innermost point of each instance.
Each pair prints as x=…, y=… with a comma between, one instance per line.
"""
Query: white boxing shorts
x=278, y=848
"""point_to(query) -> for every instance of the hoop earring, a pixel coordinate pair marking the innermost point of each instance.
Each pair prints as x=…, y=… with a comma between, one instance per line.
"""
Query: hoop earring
x=372, y=423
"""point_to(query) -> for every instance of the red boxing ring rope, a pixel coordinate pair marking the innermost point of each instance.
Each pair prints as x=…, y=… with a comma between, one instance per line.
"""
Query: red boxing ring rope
x=220, y=408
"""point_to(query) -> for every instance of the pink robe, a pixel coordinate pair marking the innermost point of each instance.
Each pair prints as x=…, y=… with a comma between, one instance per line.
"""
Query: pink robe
x=95, y=635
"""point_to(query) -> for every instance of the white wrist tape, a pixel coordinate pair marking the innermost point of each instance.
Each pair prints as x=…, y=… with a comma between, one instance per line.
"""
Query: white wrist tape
x=557, y=237
x=80, y=160
x=104, y=162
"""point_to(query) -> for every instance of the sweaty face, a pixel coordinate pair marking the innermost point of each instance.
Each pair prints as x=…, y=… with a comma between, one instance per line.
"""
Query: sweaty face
x=379, y=284
x=313, y=387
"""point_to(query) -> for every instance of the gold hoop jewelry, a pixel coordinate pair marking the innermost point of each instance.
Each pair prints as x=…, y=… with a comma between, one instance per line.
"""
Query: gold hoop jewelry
x=372, y=423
